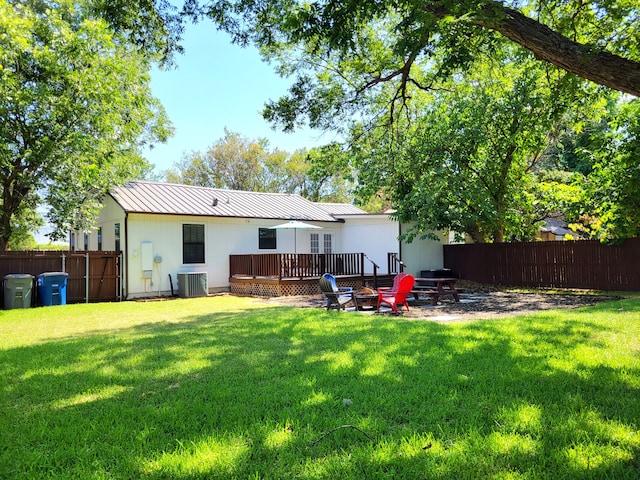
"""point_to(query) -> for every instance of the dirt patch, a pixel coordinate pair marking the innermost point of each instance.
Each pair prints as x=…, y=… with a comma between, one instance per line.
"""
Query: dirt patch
x=475, y=303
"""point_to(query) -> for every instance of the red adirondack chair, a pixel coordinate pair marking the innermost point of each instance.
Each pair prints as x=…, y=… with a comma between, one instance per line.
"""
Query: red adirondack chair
x=396, y=283
x=397, y=296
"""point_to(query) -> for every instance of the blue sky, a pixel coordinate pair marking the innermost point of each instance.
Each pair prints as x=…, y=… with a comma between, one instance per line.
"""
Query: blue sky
x=217, y=84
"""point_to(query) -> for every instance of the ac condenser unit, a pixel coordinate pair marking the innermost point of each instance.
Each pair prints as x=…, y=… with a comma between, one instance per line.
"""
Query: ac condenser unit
x=192, y=284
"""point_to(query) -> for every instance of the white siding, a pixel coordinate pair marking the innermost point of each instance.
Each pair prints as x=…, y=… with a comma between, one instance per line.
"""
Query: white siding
x=374, y=235
x=111, y=214
x=423, y=254
x=223, y=237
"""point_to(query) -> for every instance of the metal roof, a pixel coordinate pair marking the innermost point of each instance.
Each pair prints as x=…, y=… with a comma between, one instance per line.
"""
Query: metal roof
x=558, y=227
x=174, y=199
x=340, y=208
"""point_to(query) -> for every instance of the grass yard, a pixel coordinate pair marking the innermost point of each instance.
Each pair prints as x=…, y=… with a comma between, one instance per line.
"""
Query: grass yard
x=224, y=387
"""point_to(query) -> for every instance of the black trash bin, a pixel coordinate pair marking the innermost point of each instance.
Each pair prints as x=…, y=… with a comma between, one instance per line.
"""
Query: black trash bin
x=52, y=288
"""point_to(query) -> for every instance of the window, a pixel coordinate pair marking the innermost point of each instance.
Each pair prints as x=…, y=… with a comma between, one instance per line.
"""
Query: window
x=99, y=238
x=86, y=241
x=328, y=243
x=315, y=243
x=116, y=233
x=192, y=243
x=72, y=242
x=266, y=239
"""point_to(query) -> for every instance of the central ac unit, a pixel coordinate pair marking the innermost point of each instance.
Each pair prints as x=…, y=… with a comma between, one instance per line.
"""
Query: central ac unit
x=192, y=284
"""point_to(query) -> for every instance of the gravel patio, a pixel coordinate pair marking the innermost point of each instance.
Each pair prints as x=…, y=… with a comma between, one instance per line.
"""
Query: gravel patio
x=477, y=302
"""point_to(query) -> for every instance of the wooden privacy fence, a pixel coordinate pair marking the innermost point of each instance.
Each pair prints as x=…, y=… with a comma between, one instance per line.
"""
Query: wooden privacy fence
x=584, y=264
x=93, y=276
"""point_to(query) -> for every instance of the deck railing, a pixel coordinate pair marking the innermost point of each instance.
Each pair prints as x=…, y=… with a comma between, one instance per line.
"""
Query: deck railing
x=296, y=265
x=394, y=264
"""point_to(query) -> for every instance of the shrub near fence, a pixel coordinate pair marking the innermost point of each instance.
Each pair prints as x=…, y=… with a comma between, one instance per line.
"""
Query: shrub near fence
x=583, y=264
x=99, y=271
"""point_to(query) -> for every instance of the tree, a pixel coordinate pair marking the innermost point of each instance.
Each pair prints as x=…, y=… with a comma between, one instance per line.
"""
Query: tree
x=375, y=42
x=232, y=162
x=612, y=189
x=589, y=174
x=361, y=66
x=154, y=28
x=328, y=177
x=25, y=221
x=239, y=163
x=464, y=159
x=75, y=110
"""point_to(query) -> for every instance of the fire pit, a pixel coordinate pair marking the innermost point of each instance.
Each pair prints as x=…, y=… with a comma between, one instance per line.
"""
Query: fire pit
x=366, y=297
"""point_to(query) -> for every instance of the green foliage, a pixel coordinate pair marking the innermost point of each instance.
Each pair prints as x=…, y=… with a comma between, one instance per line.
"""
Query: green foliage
x=75, y=110
x=447, y=123
x=614, y=196
x=328, y=175
x=22, y=241
x=374, y=46
x=464, y=160
x=559, y=193
x=25, y=220
x=232, y=162
x=153, y=27
x=589, y=176
x=237, y=163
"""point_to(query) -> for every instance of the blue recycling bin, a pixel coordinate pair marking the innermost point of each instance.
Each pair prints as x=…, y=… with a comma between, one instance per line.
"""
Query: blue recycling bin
x=52, y=288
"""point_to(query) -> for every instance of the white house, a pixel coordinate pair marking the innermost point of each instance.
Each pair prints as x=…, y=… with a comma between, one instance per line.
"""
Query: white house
x=165, y=230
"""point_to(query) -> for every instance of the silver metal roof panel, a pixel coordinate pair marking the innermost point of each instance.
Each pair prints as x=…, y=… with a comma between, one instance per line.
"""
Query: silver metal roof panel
x=340, y=208
x=175, y=199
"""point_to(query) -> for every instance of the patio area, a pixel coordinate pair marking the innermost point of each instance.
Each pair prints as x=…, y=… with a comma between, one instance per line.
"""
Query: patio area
x=477, y=303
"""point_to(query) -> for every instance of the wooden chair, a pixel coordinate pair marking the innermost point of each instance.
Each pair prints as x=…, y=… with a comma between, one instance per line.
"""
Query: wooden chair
x=397, y=296
x=337, y=297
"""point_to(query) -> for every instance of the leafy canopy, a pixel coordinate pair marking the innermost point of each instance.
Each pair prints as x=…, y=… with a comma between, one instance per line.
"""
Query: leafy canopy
x=75, y=110
x=464, y=158
x=238, y=163
x=371, y=44
x=448, y=105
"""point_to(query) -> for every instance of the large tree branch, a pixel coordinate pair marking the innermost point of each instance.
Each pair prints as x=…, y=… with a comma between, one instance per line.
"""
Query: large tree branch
x=588, y=62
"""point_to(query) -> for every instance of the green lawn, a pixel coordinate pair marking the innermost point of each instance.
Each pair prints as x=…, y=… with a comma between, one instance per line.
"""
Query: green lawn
x=224, y=387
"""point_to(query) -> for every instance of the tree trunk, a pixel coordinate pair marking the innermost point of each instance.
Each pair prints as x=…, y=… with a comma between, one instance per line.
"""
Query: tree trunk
x=548, y=45
x=12, y=196
x=5, y=229
x=474, y=232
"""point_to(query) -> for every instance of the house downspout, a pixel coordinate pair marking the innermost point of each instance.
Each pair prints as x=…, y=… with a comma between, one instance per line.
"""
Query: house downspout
x=125, y=257
x=400, y=243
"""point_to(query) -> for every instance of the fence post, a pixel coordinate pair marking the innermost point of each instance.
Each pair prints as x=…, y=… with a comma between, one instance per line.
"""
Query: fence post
x=86, y=268
x=120, y=274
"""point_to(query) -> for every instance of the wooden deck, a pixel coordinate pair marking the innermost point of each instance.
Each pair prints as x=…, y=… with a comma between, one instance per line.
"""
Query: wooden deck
x=285, y=274
x=281, y=287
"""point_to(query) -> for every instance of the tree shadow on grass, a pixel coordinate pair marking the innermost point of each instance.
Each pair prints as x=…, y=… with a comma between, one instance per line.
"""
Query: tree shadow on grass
x=257, y=391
